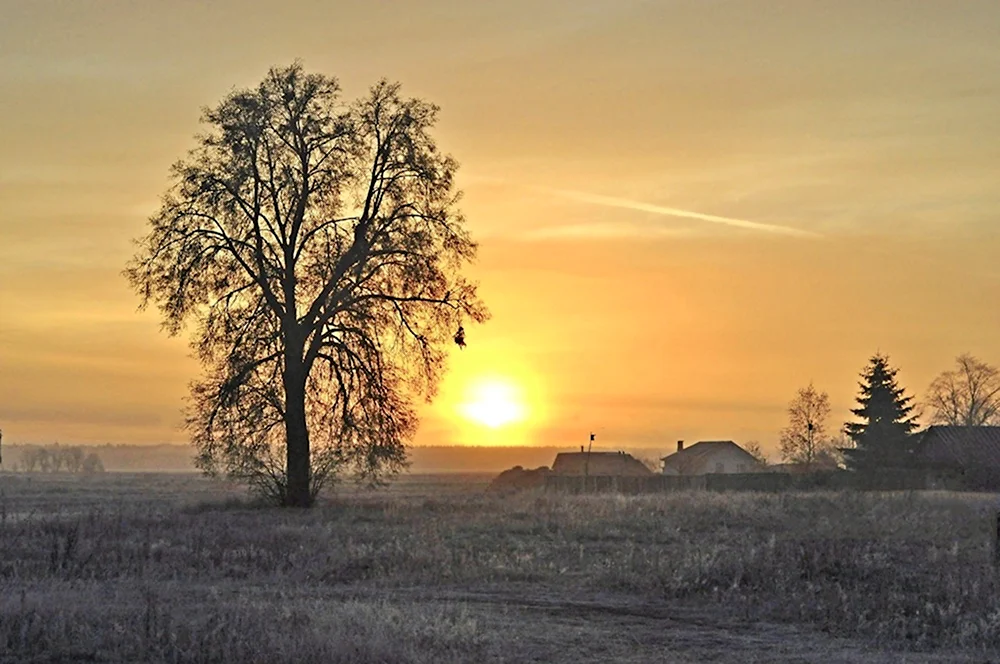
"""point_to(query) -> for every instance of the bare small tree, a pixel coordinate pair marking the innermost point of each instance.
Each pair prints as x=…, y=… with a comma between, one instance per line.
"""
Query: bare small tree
x=72, y=459
x=753, y=449
x=57, y=459
x=92, y=464
x=31, y=458
x=968, y=395
x=805, y=440
x=316, y=249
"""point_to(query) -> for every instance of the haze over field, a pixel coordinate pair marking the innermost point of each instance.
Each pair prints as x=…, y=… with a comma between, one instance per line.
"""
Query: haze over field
x=424, y=460
x=686, y=210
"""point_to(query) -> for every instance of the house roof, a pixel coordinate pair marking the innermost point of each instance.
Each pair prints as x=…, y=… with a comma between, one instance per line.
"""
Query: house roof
x=598, y=463
x=698, y=456
x=960, y=446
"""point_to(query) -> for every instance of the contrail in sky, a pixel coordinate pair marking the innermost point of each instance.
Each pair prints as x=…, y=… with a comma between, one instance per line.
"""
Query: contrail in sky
x=626, y=204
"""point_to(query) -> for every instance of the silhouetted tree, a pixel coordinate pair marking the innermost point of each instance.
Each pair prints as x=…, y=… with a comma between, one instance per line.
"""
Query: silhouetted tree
x=71, y=459
x=58, y=458
x=967, y=396
x=805, y=439
x=47, y=460
x=753, y=449
x=31, y=458
x=92, y=464
x=882, y=438
x=317, y=249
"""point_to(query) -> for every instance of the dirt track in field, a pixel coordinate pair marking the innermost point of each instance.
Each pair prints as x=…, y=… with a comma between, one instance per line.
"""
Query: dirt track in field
x=610, y=628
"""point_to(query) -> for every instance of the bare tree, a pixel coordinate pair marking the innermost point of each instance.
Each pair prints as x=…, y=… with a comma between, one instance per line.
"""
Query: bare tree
x=317, y=249
x=72, y=459
x=968, y=395
x=56, y=459
x=805, y=440
x=754, y=450
x=31, y=458
x=92, y=464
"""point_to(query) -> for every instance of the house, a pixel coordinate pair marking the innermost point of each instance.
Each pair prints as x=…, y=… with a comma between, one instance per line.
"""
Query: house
x=972, y=452
x=616, y=464
x=708, y=457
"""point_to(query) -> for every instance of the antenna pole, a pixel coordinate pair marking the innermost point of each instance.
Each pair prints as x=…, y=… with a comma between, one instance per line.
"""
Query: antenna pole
x=586, y=461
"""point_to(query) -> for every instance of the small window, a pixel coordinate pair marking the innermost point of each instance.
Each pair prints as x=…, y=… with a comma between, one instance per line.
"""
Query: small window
x=719, y=468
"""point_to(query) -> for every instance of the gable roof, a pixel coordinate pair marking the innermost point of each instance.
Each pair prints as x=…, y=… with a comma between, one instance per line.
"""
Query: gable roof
x=598, y=463
x=964, y=447
x=692, y=460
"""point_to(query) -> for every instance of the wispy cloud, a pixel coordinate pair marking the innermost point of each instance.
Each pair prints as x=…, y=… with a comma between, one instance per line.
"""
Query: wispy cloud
x=638, y=206
x=605, y=230
x=619, y=229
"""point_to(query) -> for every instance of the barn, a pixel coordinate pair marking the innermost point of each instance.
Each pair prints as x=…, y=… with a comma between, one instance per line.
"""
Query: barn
x=973, y=453
x=596, y=464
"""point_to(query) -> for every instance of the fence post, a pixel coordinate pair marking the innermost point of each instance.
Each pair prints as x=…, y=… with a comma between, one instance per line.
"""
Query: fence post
x=995, y=537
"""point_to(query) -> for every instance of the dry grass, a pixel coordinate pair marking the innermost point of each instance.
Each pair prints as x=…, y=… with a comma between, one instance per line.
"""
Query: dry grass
x=161, y=630
x=177, y=569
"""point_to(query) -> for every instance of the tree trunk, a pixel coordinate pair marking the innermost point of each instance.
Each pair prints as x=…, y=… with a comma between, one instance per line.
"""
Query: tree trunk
x=297, y=467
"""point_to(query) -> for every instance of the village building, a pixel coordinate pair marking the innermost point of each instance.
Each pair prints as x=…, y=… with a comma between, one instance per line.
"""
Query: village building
x=709, y=457
x=595, y=464
x=971, y=452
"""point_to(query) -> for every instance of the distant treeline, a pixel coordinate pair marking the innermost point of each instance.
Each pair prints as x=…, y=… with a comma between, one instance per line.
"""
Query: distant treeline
x=173, y=458
x=113, y=458
x=57, y=459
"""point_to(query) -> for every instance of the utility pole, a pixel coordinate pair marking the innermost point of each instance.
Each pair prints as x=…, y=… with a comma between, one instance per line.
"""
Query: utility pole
x=810, y=448
x=586, y=460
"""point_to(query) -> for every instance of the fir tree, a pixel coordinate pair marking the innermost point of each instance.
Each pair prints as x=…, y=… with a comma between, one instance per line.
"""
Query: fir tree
x=882, y=437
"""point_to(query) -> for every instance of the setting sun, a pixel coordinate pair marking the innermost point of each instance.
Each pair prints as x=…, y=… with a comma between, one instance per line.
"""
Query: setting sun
x=492, y=395
x=495, y=403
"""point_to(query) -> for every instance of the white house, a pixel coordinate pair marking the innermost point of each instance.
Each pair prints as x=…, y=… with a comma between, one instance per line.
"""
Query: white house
x=708, y=457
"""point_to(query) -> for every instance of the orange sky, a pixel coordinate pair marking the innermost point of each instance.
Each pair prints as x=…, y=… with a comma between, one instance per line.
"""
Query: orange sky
x=835, y=166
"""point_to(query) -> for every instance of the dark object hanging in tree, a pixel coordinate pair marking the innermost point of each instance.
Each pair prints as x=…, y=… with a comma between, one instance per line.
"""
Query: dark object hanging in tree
x=460, y=337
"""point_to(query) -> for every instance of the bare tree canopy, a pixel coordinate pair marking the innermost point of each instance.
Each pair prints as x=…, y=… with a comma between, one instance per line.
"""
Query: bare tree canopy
x=316, y=250
x=805, y=439
x=968, y=395
x=753, y=449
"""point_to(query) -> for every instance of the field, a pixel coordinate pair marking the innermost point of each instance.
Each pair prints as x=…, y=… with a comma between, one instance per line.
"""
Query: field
x=176, y=568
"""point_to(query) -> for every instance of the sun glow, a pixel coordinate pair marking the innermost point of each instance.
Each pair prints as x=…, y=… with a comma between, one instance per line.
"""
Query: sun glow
x=490, y=396
x=495, y=403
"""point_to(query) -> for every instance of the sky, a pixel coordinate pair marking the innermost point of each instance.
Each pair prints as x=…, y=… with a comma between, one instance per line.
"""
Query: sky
x=686, y=209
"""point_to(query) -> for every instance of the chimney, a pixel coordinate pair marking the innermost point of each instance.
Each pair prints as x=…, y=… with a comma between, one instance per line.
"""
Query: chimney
x=680, y=445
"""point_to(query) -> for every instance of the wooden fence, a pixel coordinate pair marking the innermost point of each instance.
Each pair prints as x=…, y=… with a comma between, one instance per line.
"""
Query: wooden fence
x=896, y=480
